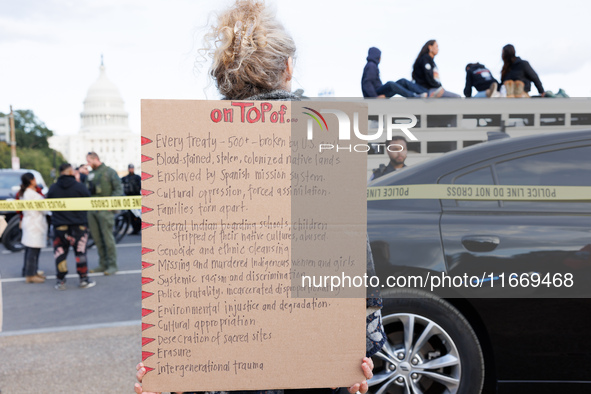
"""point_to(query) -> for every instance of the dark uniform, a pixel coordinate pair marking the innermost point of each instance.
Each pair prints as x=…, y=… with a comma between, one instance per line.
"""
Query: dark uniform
x=383, y=170
x=132, y=186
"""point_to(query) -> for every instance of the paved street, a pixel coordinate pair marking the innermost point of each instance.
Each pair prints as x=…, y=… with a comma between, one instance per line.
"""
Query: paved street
x=74, y=340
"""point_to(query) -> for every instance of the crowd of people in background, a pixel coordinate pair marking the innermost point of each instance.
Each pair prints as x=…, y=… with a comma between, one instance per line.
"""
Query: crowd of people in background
x=72, y=228
x=517, y=76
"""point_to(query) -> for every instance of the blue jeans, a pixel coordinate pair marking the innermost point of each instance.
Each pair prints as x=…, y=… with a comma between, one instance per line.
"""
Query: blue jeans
x=403, y=87
x=445, y=93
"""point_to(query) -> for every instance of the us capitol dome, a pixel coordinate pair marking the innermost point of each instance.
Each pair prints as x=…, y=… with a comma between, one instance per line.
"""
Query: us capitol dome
x=104, y=129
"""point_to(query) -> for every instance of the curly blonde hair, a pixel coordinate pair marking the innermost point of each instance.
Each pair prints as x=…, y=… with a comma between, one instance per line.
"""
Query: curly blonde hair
x=249, y=49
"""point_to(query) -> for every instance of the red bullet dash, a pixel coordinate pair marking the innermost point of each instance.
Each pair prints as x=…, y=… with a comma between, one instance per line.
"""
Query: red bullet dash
x=146, y=294
x=146, y=158
x=146, y=312
x=145, y=176
x=145, y=355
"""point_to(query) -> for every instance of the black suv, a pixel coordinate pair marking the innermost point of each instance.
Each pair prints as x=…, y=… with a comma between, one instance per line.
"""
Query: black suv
x=468, y=345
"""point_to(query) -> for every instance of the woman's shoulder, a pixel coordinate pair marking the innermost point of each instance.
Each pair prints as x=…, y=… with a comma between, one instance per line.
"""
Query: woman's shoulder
x=31, y=194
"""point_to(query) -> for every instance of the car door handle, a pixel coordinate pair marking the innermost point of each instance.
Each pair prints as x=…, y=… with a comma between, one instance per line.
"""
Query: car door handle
x=480, y=243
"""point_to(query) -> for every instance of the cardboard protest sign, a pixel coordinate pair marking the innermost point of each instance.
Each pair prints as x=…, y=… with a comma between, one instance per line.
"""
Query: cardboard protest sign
x=221, y=228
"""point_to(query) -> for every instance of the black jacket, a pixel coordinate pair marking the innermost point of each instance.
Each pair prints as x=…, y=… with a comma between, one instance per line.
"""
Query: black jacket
x=478, y=76
x=384, y=170
x=425, y=73
x=132, y=184
x=521, y=70
x=370, y=81
x=67, y=187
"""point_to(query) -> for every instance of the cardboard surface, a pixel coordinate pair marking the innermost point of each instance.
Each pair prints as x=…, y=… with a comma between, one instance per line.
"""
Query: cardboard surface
x=218, y=313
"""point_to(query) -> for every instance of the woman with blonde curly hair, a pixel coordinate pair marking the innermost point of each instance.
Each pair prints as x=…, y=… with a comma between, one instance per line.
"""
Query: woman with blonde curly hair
x=252, y=54
x=252, y=59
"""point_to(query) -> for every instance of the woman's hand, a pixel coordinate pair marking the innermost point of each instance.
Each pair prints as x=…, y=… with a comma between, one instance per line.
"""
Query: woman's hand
x=367, y=367
x=141, y=371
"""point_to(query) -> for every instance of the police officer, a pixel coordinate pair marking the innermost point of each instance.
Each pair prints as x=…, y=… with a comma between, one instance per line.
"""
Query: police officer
x=132, y=186
x=396, y=148
x=103, y=181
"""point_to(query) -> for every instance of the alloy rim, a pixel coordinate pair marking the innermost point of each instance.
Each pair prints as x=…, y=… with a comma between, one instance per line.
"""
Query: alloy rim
x=419, y=357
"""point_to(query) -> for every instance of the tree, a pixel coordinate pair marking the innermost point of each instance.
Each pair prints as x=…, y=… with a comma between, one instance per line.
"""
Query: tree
x=30, y=131
x=32, y=145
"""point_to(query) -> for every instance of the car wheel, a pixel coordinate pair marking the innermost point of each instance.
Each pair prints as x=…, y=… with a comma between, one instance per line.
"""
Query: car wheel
x=11, y=238
x=431, y=348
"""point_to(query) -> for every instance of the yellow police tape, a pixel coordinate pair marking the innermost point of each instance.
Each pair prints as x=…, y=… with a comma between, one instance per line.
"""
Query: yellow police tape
x=480, y=192
x=375, y=193
x=74, y=204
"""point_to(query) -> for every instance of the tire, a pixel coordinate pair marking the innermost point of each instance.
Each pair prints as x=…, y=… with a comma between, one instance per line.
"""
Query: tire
x=11, y=238
x=448, y=359
x=121, y=226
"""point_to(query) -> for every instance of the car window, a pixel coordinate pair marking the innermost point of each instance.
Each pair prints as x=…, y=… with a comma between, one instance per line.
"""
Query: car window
x=7, y=181
x=482, y=176
x=564, y=167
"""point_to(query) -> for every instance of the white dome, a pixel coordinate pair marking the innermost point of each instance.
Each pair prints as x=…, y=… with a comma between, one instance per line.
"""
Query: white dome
x=104, y=108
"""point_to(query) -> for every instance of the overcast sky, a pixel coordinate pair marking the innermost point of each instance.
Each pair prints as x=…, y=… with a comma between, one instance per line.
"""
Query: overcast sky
x=50, y=49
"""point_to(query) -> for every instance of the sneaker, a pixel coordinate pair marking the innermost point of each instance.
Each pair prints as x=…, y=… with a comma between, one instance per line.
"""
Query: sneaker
x=561, y=93
x=492, y=89
x=86, y=283
x=110, y=271
x=60, y=285
x=34, y=279
x=423, y=95
x=437, y=93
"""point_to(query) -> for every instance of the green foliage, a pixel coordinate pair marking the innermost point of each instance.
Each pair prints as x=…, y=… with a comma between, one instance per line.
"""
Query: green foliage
x=32, y=146
x=30, y=131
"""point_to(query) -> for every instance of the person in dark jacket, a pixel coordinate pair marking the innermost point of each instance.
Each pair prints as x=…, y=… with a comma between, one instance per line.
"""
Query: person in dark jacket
x=425, y=72
x=397, y=151
x=132, y=186
x=479, y=77
x=517, y=74
x=70, y=229
x=371, y=84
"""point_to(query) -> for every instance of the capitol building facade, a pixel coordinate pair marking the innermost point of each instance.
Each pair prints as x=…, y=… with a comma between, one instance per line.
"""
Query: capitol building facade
x=104, y=129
